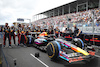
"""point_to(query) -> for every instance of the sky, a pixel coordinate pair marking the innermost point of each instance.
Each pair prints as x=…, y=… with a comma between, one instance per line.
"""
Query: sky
x=10, y=10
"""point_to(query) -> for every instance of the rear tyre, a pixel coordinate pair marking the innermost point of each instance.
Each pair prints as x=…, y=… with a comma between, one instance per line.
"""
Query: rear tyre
x=78, y=42
x=53, y=49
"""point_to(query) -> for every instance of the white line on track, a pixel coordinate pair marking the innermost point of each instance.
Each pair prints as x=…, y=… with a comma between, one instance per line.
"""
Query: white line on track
x=39, y=60
x=97, y=56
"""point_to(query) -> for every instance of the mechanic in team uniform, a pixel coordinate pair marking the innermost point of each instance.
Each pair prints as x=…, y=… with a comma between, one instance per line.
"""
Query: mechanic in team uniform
x=50, y=30
x=18, y=31
x=22, y=36
x=7, y=35
x=44, y=28
x=26, y=29
x=63, y=32
x=33, y=28
x=67, y=30
x=12, y=29
x=39, y=29
x=30, y=30
x=1, y=29
x=77, y=32
x=57, y=32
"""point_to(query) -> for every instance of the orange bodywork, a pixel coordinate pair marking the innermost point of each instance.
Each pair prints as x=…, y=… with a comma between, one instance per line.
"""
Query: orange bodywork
x=43, y=34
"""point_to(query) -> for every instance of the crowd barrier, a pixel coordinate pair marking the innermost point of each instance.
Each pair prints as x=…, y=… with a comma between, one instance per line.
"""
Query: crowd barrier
x=93, y=39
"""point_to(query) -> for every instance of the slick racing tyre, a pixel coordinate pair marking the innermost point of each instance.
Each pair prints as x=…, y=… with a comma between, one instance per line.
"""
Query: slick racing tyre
x=78, y=42
x=53, y=49
x=29, y=40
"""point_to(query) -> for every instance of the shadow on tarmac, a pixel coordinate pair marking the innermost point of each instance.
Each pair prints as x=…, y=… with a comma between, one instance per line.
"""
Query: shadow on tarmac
x=92, y=63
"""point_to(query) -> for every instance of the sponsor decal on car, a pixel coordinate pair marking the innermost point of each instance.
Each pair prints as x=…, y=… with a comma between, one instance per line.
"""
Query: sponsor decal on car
x=75, y=59
x=72, y=54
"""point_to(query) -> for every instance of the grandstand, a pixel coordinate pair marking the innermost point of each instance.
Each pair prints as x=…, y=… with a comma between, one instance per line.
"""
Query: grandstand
x=82, y=12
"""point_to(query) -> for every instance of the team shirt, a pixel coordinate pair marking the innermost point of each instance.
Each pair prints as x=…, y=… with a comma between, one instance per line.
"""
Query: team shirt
x=12, y=30
x=57, y=31
x=6, y=30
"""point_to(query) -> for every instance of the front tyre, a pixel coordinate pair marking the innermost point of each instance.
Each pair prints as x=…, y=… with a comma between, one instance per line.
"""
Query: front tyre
x=53, y=49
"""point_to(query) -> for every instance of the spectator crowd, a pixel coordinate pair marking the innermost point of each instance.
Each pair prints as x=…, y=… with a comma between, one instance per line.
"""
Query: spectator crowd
x=83, y=18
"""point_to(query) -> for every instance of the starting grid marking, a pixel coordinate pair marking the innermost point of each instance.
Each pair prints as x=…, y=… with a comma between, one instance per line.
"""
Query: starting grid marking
x=39, y=60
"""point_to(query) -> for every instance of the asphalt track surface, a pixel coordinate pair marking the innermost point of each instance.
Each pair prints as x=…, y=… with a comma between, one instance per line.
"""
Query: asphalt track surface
x=25, y=58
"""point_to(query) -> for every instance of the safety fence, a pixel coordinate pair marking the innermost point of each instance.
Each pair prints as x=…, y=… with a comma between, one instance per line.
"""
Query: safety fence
x=90, y=33
x=91, y=39
x=85, y=28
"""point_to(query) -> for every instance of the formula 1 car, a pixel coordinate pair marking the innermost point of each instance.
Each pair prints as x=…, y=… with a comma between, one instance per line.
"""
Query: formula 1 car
x=39, y=40
x=71, y=52
x=31, y=37
x=42, y=40
x=29, y=40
